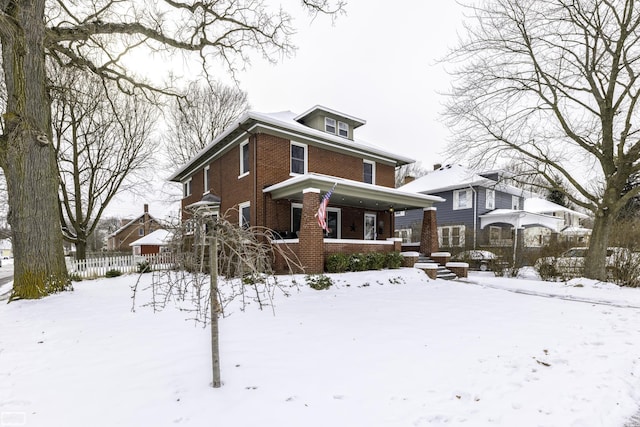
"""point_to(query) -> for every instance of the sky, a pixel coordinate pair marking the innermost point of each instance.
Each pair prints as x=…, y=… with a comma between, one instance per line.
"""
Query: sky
x=376, y=63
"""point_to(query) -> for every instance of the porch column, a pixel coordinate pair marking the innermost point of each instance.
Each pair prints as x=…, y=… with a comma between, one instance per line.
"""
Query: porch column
x=311, y=238
x=429, y=235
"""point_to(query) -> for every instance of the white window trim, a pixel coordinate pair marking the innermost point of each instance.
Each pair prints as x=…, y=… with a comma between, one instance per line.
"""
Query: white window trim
x=373, y=170
x=456, y=199
x=346, y=127
x=334, y=126
x=242, y=165
x=186, y=188
x=306, y=158
x=515, y=203
x=205, y=179
x=241, y=206
x=490, y=196
x=339, y=224
x=449, y=230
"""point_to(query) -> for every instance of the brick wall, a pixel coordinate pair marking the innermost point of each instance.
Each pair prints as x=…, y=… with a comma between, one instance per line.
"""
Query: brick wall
x=311, y=239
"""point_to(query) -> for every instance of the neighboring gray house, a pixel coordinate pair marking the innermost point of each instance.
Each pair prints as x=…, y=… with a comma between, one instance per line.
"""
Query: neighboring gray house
x=481, y=211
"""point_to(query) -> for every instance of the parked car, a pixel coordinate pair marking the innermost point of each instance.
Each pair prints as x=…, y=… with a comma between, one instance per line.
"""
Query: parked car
x=570, y=263
x=477, y=259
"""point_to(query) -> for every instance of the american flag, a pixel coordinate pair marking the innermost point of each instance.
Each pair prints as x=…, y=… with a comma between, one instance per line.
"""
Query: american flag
x=322, y=210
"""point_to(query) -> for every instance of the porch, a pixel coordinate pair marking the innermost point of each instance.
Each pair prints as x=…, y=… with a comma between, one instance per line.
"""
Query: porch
x=360, y=218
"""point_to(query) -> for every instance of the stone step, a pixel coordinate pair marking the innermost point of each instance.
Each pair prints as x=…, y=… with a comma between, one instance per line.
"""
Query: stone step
x=442, y=272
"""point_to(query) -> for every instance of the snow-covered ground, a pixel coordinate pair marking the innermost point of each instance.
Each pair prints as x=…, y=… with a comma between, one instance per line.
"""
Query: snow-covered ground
x=384, y=348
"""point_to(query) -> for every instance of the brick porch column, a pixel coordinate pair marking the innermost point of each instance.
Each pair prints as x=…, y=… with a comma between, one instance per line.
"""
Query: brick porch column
x=429, y=235
x=311, y=237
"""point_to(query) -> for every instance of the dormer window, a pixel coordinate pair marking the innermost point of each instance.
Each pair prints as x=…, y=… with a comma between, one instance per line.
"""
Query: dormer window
x=343, y=129
x=329, y=125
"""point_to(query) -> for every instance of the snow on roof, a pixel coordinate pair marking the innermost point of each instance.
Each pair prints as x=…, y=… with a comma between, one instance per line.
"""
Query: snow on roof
x=159, y=237
x=538, y=205
x=448, y=177
x=287, y=120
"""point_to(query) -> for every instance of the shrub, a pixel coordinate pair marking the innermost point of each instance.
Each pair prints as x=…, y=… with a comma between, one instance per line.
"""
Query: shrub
x=547, y=272
x=144, y=267
x=357, y=262
x=113, y=273
x=75, y=277
x=337, y=263
x=318, y=281
x=394, y=260
x=375, y=260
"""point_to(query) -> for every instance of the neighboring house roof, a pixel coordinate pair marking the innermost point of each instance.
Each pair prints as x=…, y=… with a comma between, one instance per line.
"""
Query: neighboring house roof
x=285, y=123
x=119, y=230
x=159, y=237
x=538, y=205
x=452, y=177
x=354, y=193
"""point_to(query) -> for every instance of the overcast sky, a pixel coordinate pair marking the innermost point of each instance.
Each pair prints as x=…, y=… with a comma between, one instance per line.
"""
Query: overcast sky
x=377, y=63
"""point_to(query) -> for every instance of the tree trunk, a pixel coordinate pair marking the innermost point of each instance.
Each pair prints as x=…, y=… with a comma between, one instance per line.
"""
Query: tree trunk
x=28, y=158
x=595, y=262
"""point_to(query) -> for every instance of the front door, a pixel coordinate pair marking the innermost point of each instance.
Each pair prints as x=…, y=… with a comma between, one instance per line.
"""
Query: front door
x=369, y=226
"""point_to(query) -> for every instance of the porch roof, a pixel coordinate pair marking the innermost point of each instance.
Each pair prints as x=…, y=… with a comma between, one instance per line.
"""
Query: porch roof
x=351, y=193
x=520, y=218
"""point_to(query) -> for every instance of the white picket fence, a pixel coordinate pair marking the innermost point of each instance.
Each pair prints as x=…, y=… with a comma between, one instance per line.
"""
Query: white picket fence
x=98, y=267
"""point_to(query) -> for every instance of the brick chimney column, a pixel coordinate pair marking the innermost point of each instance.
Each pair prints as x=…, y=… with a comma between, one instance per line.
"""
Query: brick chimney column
x=311, y=238
x=429, y=235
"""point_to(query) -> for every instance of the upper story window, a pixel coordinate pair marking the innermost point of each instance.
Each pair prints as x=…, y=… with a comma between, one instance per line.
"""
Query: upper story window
x=244, y=158
x=186, y=188
x=140, y=231
x=490, y=198
x=330, y=125
x=515, y=203
x=298, y=158
x=206, y=179
x=343, y=129
x=369, y=172
x=244, y=210
x=462, y=199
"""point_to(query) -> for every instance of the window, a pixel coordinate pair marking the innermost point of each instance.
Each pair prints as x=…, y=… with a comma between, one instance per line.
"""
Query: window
x=186, y=186
x=452, y=236
x=296, y=218
x=500, y=236
x=298, y=158
x=343, y=129
x=369, y=174
x=404, y=234
x=399, y=213
x=206, y=179
x=369, y=226
x=140, y=231
x=515, y=202
x=244, y=210
x=329, y=125
x=490, y=199
x=462, y=199
x=244, y=158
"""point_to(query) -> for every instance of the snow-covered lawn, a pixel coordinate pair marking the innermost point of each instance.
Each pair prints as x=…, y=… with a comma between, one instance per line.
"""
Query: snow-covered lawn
x=389, y=348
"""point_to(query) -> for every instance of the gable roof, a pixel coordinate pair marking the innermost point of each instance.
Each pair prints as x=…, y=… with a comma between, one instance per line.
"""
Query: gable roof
x=159, y=237
x=284, y=123
x=453, y=177
x=538, y=205
x=119, y=230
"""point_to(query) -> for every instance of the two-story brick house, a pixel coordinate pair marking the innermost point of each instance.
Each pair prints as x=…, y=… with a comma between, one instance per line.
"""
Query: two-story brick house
x=131, y=230
x=273, y=169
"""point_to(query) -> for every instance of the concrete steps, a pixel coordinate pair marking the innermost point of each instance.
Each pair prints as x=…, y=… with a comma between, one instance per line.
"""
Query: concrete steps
x=442, y=273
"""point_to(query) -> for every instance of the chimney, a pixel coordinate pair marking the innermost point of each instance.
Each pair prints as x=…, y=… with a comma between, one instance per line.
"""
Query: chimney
x=408, y=179
x=437, y=166
x=146, y=208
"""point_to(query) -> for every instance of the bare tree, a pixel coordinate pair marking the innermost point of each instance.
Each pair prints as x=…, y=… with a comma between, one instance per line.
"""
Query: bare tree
x=219, y=265
x=99, y=37
x=553, y=85
x=102, y=138
x=198, y=117
x=414, y=170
